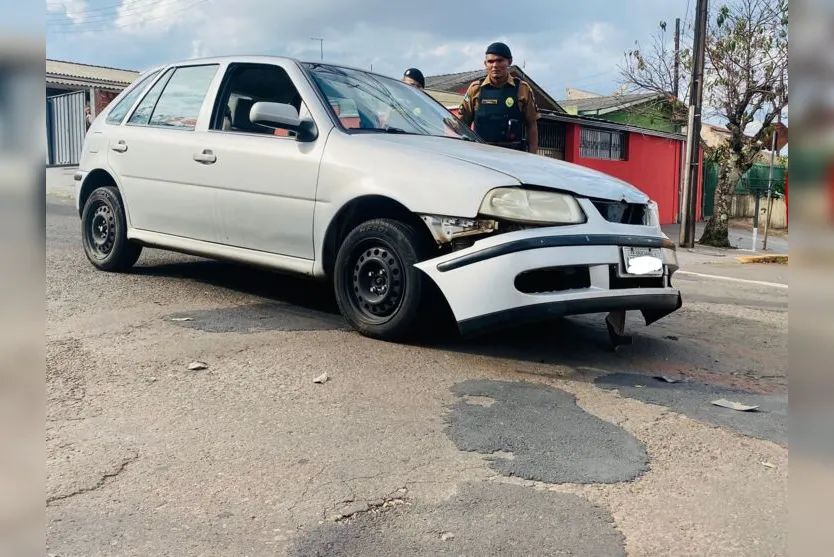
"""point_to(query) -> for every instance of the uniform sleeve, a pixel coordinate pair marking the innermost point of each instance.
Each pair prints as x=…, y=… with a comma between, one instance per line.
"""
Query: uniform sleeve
x=466, y=112
x=531, y=111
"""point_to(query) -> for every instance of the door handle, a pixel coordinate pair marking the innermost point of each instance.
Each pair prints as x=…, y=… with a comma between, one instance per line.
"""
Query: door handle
x=120, y=147
x=206, y=157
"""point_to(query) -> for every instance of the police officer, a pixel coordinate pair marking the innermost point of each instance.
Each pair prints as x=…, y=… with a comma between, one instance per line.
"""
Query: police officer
x=502, y=107
x=414, y=77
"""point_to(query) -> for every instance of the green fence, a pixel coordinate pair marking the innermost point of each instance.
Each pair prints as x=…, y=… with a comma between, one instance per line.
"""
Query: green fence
x=754, y=180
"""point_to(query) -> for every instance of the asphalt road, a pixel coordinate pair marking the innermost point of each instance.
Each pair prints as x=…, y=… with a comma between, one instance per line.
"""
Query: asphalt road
x=539, y=442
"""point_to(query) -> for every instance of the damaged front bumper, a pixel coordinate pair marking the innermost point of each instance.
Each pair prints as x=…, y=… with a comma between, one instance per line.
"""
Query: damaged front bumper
x=533, y=275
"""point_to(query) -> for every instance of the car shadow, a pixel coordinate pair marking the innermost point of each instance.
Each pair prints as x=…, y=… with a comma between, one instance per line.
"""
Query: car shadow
x=304, y=293
x=575, y=341
x=578, y=343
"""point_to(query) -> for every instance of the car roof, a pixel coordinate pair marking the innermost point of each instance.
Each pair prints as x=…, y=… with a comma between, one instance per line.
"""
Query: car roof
x=260, y=58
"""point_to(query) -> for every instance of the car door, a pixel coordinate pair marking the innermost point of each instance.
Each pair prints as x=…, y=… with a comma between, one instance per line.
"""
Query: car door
x=153, y=153
x=264, y=180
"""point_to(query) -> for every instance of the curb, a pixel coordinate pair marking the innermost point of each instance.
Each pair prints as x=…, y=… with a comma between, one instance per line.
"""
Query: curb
x=779, y=259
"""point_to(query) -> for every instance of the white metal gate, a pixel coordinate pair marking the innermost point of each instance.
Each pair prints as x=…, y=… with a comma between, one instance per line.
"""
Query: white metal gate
x=66, y=127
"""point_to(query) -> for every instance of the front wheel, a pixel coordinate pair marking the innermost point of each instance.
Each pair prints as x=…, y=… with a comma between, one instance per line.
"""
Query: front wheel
x=104, y=232
x=378, y=289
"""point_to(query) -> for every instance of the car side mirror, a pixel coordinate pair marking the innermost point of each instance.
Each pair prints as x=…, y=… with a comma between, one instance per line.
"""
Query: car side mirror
x=274, y=115
x=283, y=116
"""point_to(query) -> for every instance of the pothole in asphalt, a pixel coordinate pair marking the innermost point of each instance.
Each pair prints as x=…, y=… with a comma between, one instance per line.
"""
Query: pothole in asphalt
x=480, y=519
x=694, y=399
x=255, y=318
x=550, y=438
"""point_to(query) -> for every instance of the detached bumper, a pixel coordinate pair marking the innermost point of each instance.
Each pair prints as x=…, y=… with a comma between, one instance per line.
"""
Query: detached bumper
x=518, y=278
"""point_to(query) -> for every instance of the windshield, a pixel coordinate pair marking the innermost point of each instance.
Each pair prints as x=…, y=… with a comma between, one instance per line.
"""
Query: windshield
x=364, y=102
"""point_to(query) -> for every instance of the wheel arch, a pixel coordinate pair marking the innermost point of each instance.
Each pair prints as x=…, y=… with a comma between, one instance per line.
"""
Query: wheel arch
x=357, y=211
x=95, y=179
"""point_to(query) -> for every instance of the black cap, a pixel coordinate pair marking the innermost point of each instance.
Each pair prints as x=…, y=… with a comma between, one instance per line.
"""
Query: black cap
x=416, y=75
x=500, y=49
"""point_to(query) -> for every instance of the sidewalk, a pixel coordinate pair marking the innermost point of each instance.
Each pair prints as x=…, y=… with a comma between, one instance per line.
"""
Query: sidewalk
x=740, y=238
x=59, y=181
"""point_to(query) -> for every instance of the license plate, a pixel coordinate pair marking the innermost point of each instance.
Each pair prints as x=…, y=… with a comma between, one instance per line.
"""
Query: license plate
x=643, y=261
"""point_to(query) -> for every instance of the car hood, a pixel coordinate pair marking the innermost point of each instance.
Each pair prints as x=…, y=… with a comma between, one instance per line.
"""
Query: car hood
x=534, y=170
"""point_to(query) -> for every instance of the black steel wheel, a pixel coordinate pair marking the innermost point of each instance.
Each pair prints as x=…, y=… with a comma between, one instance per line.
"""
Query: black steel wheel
x=104, y=232
x=378, y=289
x=377, y=280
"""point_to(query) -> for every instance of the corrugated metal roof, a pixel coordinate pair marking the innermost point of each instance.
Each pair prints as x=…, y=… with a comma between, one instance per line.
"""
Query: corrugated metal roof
x=60, y=83
x=445, y=98
x=607, y=124
x=59, y=69
x=606, y=103
x=455, y=81
x=451, y=81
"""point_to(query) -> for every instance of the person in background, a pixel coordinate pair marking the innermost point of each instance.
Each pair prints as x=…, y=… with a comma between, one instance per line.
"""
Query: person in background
x=414, y=77
x=502, y=107
x=88, y=116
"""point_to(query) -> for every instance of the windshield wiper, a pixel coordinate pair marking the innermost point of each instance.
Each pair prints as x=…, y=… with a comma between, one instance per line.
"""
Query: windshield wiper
x=458, y=137
x=386, y=130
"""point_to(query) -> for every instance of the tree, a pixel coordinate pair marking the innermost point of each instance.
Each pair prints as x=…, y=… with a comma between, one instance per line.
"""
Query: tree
x=745, y=79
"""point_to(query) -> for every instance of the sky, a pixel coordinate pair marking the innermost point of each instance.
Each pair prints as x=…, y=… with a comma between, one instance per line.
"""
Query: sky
x=559, y=44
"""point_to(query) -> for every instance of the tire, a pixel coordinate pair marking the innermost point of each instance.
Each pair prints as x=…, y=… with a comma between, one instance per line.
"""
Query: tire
x=104, y=232
x=380, y=254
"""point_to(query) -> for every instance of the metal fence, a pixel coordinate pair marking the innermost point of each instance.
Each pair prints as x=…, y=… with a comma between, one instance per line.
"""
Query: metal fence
x=551, y=139
x=66, y=127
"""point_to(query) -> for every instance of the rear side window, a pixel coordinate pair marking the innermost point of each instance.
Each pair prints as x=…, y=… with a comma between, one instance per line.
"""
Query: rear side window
x=177, y=102
x=118, y=112
x=142, y=114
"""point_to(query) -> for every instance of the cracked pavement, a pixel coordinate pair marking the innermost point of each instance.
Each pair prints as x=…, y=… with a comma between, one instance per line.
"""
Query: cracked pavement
x=251, y=457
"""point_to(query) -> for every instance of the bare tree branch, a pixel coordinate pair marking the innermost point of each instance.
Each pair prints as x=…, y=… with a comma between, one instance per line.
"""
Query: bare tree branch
x=745, y=80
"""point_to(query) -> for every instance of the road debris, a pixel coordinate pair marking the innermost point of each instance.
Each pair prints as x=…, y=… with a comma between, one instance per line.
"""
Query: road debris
x=182, y=319
x=446, y=536
x=321, y=378
x=723, y=402
x=667, y=379
x=672, y=337
x=767, y=464
x=196, y=366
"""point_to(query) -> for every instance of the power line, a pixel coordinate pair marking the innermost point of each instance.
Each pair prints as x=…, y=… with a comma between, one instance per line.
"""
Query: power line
x=78, y=28
x=136, y=5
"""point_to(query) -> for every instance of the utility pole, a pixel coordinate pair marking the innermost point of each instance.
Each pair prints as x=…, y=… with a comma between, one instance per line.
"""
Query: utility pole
x=321, y=45
x=677, y=57
x=768, y=200
x=693, y=129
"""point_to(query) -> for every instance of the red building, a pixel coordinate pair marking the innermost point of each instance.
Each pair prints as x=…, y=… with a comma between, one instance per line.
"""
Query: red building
x=653, y=161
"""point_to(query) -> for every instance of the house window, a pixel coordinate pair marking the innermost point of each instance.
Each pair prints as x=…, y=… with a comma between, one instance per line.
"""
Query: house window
x=595, y=143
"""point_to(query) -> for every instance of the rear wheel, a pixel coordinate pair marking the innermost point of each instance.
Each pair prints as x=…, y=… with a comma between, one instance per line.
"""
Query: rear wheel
x=378, y=289
x=104, y=232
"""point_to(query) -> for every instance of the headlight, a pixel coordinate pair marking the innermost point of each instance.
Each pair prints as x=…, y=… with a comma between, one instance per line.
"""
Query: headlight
x=532, y=206
x=654, y=214
x=446, y=229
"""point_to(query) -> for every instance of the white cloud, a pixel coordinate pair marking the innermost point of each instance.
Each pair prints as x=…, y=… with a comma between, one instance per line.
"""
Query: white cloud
x=141, y=17
x=75, y=10
x=559, y=47
x=198, y=50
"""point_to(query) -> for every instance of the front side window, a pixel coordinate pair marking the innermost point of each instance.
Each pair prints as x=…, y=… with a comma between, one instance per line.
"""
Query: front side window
x=247, y=84
x=365, y=102
x=119, y=110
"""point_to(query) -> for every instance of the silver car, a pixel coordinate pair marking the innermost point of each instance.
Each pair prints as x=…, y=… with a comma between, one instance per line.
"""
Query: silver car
x=355, y=178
